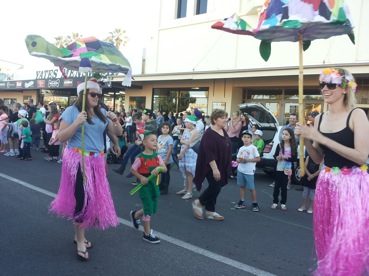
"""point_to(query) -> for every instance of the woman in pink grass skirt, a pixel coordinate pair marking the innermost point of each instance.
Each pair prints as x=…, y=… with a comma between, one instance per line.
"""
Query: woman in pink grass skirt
x=339, y=138
x=87, y=203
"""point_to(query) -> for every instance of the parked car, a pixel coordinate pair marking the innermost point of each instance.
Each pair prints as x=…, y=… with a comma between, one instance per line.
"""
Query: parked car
x=267, y=122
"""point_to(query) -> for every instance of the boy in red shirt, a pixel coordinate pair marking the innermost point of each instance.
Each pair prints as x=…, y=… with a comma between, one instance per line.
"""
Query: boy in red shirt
x=148, y=163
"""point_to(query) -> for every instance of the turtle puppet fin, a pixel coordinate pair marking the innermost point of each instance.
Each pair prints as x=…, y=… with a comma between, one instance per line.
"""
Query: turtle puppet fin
x=265, y=49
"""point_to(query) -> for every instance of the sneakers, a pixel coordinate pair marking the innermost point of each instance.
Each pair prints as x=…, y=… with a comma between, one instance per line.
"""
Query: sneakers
x=9, y=153
x=129, y=175
x=240, y=205
x=284, y=207
x=255, y=207
x=16, y=152
x=151, y=238
x=135, y=222
x=274, y=206
x=60, y=161
x=48, y=158
x=188, y=195
x=181, y=192
x=272, y=185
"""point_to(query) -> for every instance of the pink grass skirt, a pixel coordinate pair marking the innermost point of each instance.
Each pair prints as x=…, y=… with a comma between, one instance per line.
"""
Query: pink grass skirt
x=98, y=208
x=341, y=222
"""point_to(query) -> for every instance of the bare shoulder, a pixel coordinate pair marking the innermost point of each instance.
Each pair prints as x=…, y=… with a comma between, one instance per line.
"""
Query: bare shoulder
x=359, y=119
x=317, y=119
x=360, y=113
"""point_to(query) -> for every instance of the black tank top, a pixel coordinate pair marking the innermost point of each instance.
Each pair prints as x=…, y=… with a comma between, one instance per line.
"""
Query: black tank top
x=346, y=138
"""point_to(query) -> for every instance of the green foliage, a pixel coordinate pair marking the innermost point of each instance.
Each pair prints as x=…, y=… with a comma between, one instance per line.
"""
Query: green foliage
x=117, y=38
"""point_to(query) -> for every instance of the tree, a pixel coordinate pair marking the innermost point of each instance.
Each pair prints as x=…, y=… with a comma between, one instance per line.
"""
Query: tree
x=117, y=38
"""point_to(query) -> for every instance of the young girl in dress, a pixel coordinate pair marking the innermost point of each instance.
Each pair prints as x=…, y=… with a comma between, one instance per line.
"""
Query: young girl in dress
x=187, y=157
x=54, y=144
x=165, y=145
x=285, y=154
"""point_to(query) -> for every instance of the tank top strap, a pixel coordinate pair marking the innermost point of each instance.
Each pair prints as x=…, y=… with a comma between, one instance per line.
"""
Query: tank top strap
x=320, y=120
x=349, y=116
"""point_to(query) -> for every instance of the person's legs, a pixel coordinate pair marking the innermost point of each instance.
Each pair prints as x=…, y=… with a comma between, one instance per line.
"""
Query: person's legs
x=16, y=144
x=165, y=179
x=284, y=189
x=27, y=151
x=11, y=144
x=209, y=197
x=125, y=159
x=175, y=147
x=189, y=183
x=48, y=137
x=20, y=150
x=311, y=197
x=11, y=151
x=134, y=153
x=253, y=195
x=129, y=134
x=242, y=193
x=277, y=186
x=37, y=142
x=80, y=239
x=56, y=149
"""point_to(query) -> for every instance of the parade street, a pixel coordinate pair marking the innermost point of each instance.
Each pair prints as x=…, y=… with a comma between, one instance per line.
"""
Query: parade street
x=35, y=242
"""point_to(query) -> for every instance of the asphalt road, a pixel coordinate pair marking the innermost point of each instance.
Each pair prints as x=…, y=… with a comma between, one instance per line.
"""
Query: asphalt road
x=34, y=242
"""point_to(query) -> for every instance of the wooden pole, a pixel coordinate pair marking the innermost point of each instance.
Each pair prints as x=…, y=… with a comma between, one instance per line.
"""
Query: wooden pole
x=83, y=132
x=301, y=104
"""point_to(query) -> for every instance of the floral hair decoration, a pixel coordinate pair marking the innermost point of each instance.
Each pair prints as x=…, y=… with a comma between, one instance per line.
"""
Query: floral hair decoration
x=338, y=76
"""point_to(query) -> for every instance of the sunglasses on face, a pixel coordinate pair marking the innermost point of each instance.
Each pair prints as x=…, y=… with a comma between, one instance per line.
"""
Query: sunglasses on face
x=330, y=86
x=93, y=94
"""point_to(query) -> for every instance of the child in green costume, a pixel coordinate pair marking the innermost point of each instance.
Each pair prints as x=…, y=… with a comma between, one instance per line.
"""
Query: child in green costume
x=148, y=163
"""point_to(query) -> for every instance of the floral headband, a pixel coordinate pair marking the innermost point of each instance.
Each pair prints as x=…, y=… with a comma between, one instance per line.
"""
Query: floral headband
x=338, y=76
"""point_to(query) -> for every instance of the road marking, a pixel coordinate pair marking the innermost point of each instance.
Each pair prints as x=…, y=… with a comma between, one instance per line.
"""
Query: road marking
x=177, y=242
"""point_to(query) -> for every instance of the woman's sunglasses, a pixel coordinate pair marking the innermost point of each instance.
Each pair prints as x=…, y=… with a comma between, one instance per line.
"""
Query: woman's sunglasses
x=330, y=86
x=93, y=94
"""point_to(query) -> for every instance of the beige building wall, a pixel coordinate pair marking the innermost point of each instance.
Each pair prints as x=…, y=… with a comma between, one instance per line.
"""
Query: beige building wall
x=190, y=45
x=186, y=52
x=19, y=96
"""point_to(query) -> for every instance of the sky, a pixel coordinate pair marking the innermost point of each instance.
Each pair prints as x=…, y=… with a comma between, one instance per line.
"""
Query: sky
x=50, y=19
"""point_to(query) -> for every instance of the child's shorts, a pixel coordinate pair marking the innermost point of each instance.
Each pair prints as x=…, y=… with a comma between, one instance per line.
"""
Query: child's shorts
x=245, y=180
x=149, y=195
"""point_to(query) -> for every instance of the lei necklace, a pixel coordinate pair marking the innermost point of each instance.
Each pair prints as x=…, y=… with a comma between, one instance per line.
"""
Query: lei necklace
x=337, y=76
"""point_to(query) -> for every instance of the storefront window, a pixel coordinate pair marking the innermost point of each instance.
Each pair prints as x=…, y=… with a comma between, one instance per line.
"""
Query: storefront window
x=265, y=94
x=181, y=99
x=138, y=103
x=309, y=94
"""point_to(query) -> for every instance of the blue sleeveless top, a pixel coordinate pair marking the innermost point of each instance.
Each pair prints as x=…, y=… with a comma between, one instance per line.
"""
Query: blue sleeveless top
x=346, y=138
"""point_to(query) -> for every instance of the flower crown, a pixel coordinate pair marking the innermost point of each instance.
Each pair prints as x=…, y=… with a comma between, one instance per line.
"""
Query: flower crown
x=338, y=76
